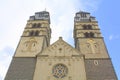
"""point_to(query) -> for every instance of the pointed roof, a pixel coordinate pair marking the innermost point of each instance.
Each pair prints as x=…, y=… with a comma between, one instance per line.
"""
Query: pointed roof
x=60, y=48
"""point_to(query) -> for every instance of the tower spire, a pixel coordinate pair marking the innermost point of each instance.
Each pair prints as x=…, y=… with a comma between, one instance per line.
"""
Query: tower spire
x=45, y=9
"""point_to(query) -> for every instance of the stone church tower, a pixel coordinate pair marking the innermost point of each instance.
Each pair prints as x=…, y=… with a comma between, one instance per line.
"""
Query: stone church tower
x=36, y=59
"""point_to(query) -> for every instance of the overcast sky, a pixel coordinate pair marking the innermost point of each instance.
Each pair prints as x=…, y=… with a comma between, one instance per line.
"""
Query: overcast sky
x=15, y=13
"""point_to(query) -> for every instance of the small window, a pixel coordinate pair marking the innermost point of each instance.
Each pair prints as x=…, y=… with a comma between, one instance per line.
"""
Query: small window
x=96, y=62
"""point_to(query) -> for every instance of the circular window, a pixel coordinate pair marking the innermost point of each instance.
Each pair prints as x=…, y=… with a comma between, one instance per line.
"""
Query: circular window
x=59, y=71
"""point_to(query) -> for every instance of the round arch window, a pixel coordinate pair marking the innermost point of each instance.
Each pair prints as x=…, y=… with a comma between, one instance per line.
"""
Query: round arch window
x=59, y=71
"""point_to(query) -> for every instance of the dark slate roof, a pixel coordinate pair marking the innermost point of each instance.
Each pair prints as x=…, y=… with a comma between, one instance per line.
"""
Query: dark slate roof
x=43, y=15
x=82, y=12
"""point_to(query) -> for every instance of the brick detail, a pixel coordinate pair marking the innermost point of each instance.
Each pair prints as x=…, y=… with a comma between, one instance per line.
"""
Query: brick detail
x=102, y=71
x=21, y=69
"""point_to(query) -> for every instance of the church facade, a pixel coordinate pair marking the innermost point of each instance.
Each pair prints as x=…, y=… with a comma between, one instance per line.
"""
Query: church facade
x=36, y=59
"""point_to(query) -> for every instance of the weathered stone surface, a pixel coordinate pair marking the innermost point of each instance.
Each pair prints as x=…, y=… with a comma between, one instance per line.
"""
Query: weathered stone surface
x=21, y=69
x=99, y=69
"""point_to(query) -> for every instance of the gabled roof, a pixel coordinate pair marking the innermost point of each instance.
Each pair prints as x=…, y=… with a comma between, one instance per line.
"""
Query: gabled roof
x=60, y=48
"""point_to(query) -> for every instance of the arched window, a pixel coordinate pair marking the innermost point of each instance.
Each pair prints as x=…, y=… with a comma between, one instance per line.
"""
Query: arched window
x=31, y=33
x=84, y=27
x=87, y=27
x=89, y=35
x=38, y=25
x=86, y=35
x=36, y=33
x=34, y=25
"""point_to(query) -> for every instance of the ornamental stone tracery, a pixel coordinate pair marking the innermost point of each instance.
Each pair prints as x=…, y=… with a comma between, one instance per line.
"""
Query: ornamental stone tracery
x=59, y=71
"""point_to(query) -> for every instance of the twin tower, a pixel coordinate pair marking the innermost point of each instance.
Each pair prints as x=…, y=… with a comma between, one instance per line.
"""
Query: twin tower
x=36, y=59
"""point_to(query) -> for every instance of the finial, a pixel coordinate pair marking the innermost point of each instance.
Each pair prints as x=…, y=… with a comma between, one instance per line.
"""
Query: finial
x=81, y=10
x=60, y=38
x=45, y=9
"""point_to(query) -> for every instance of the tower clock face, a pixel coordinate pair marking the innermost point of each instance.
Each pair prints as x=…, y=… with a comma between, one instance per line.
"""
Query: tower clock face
x=59, y=71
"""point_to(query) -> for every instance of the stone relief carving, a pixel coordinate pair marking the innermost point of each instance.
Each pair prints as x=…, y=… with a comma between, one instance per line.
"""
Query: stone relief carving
x=93, y=46
x=30, y=45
